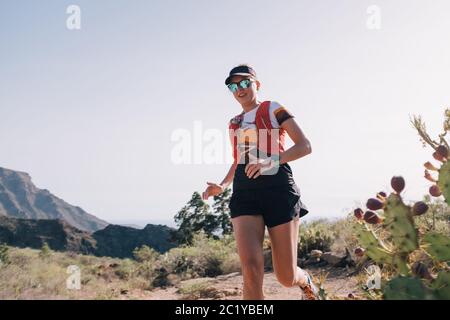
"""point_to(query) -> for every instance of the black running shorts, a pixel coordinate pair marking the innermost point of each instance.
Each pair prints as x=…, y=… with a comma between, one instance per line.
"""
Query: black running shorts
x=277, y=205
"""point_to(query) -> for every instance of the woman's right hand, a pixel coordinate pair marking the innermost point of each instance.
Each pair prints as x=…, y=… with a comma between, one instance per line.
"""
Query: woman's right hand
x=213, y=189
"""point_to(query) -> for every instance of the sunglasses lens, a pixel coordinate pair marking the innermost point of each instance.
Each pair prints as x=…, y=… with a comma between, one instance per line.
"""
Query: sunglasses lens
x=244, y=84
x=233, y=87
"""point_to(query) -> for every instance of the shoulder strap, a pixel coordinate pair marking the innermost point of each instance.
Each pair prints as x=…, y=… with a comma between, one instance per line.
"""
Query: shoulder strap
x=233, y=126
x=262, y=119
x=235, y=122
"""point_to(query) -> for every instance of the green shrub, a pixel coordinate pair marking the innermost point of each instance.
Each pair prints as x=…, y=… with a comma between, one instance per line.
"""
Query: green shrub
x=145, y=254
x=205, y=258
x=316, y=235
x=344, y=235
x=198, y=290
x=126, y=269
x=45, y=251
x=4, y=254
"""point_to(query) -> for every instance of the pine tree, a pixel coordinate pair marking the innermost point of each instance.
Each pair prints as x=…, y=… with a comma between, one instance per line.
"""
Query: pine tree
x=196, y=215
x=192, y=218
x=222, y=212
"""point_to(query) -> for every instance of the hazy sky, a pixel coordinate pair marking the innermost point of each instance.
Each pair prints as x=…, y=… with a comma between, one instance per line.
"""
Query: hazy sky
x=90, y=113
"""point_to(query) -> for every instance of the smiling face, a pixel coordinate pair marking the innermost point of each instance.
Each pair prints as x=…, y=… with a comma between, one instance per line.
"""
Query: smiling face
x=246, y=96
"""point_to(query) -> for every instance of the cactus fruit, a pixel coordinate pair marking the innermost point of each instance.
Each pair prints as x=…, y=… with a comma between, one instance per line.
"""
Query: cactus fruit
x=420, y=270
x=381, y=196
x=429, y=177
x=359, y=214
x=359, y=252
x=399, y=221
x=438, y=246
x=438, y=157
x=428, y=165
x=419, y=208
x=435, y=191
x=441, y=185
x=374, y=204
x=442, y=151
x=372, y=217
x=398, y=184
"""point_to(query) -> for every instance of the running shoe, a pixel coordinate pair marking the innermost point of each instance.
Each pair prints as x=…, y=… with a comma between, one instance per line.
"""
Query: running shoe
x=310, y=290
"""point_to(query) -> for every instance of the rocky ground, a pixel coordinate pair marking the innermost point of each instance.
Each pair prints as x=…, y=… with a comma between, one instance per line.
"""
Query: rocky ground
x=338, y=285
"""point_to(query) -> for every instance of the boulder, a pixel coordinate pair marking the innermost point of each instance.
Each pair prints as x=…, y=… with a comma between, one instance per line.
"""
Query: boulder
x=316, y=253
x=338, y=260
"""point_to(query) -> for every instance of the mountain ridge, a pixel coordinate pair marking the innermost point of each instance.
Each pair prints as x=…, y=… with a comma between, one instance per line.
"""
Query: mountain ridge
x=113, y=241
x=30, y=217
x=20, y=198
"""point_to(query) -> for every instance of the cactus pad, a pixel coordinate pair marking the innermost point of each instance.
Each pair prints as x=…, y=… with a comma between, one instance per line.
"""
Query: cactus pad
x=438, y=246
x=399, y=222
x=404, y=288
x=399, y=262
x=444, y=181
x=375, y=248
x=441, y=286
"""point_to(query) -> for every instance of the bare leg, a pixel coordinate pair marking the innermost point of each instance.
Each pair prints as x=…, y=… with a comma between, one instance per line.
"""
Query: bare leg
x=249, y=234
x=284, y=241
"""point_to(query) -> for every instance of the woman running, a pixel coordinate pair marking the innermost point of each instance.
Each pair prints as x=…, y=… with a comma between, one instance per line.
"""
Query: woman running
x=264, y=191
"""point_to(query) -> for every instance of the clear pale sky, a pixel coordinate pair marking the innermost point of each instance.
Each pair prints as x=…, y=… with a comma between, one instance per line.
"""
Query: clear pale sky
x=89, y=113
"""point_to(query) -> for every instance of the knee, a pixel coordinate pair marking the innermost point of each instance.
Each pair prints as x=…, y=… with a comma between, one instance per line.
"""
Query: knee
x=286, y=278
x=252, y=265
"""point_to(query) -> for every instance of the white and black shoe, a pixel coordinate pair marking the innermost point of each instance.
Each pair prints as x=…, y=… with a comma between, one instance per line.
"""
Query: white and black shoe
x=310, y=290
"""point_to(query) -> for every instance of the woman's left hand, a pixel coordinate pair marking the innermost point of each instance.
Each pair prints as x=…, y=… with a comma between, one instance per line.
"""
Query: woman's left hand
x=254, y=169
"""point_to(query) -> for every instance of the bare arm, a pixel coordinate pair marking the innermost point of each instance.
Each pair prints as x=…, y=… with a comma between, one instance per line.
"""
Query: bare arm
x=229, y=177
x=301, y=147
x=214, y=189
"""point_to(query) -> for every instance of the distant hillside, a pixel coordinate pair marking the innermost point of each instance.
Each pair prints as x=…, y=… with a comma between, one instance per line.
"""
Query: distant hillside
x=59, y=235
x=20, y=198
x=119, y=241
x=113, y=241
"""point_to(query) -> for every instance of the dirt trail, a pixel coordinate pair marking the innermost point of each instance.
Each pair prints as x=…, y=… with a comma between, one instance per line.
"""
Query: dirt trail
x=229, y=287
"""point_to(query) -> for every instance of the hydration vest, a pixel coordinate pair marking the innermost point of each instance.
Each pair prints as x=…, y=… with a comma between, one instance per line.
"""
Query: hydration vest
x=270, y=140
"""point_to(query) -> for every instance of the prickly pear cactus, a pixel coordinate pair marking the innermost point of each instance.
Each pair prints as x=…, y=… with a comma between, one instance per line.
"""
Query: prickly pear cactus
x=405, y=288
x=399, y=222
x=409, y=288
x=444, y=181
x=438, y=246
x=441, y=147
x=420, y=261
x=394, y=220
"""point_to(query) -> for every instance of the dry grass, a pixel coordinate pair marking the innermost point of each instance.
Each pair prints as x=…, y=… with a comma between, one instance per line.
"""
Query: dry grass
x=29, y=275
x=42, y=274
